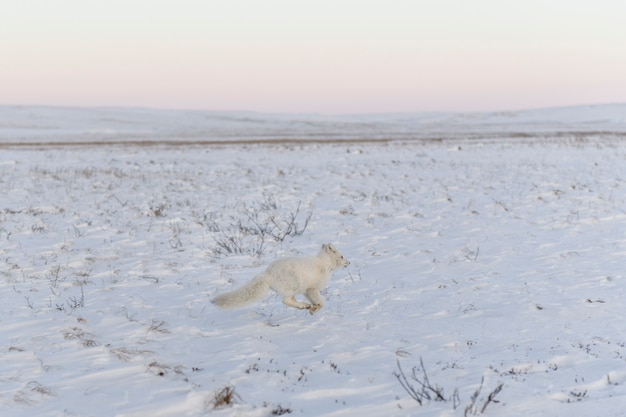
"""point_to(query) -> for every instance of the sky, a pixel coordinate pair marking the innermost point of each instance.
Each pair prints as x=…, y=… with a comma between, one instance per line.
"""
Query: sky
x=322, y=56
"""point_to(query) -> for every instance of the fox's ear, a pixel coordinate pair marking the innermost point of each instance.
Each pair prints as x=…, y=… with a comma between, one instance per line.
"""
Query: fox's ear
x=328, y=247
x=325, y=246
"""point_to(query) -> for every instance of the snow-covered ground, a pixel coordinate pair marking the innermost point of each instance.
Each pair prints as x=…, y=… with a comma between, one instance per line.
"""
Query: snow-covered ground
x=499, y=261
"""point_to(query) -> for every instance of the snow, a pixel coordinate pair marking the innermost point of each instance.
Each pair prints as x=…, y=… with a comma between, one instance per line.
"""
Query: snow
x=494, y=260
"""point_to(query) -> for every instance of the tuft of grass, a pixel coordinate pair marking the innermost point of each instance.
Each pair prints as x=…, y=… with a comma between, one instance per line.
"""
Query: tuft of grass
x=224, y=397
x=76, y=333
x=126, y=355
x=158, y=326
x=278, y=410
x=162, y=369
x=158, y=209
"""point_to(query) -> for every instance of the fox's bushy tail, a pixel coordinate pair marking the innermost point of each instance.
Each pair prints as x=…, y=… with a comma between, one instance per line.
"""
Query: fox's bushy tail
x=248, y=294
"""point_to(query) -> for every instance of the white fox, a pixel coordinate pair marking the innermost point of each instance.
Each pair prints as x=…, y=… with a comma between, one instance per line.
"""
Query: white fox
x=288, y=277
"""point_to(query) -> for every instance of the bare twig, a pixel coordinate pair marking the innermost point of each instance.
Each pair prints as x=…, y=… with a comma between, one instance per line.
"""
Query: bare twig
x=425, y=391
x=471, y=407
x=491, y=397
x=421, y=389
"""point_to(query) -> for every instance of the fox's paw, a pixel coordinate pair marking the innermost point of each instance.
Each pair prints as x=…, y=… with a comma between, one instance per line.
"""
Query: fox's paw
x=314, y=308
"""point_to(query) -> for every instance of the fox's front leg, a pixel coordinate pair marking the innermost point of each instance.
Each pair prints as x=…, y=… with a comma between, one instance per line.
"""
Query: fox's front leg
x=314, y=296
x=292, y=302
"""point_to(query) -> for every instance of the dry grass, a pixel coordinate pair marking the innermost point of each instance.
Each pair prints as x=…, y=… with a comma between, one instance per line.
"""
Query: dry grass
x=224, y=397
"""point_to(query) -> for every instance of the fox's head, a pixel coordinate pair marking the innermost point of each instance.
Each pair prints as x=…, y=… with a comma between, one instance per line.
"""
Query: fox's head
x=335, y=255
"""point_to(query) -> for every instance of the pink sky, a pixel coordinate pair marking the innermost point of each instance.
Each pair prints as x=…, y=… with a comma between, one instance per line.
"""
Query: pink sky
x=313, y=56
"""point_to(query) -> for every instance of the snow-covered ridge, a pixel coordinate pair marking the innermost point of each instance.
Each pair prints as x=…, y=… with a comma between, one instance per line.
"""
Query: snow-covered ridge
x=30, y=124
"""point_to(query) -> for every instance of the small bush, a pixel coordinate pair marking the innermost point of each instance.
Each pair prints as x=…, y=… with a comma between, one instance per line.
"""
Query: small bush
x=422, y=390
x=259, y=224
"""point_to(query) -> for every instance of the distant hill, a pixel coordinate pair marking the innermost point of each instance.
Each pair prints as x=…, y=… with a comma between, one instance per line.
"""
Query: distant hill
x=32, y=124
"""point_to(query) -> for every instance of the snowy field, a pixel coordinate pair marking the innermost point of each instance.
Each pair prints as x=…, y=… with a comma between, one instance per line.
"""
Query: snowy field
x=487, y=278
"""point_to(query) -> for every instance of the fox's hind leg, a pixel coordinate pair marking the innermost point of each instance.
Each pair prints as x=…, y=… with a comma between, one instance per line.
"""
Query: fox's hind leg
x=292, y=302
x=314, y=296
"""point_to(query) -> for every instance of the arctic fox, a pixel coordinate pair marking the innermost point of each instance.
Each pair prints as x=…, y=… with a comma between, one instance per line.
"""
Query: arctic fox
x=288, y=277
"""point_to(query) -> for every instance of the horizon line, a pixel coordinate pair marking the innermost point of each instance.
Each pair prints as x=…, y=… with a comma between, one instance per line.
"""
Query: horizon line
x=232, y=111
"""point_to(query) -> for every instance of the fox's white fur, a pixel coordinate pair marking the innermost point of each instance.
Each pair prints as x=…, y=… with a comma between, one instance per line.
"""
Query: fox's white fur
x=288, y=277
